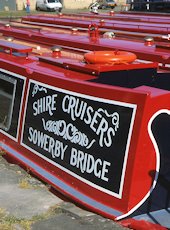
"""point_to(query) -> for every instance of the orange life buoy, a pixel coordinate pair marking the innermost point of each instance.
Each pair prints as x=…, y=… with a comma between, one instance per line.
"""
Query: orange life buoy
x=109, y=57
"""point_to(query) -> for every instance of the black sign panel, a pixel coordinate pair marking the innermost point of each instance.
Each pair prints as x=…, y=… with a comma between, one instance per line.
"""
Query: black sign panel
x=86, y=136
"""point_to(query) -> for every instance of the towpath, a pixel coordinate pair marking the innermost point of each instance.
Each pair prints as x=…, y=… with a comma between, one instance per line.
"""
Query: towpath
x=27, y=204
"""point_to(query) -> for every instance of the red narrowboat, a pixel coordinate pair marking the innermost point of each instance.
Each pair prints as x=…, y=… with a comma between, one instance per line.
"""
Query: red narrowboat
x=90, y=118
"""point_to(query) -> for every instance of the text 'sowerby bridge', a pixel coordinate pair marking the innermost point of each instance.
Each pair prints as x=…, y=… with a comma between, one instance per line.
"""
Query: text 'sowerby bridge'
x=87, y=110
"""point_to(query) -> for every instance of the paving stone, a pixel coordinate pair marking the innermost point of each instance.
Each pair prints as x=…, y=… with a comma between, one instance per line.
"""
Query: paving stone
x=35, y=200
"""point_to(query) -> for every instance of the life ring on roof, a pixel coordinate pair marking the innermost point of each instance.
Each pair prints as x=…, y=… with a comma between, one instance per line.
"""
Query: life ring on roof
x=109, y=57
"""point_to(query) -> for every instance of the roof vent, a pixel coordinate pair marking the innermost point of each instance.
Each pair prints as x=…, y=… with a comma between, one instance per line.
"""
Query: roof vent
x=149, y=41
x=9, y=39
x=109, y=35
x=111, y=13
x=74, y=30
x=102, y=22
x=7, y=25
x=56, y=51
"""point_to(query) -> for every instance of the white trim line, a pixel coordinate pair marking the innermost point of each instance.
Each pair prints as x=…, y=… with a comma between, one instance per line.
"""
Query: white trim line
x=157, y=164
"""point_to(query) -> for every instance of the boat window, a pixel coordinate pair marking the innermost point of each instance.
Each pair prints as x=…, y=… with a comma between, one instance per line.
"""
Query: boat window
x=7, y=95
